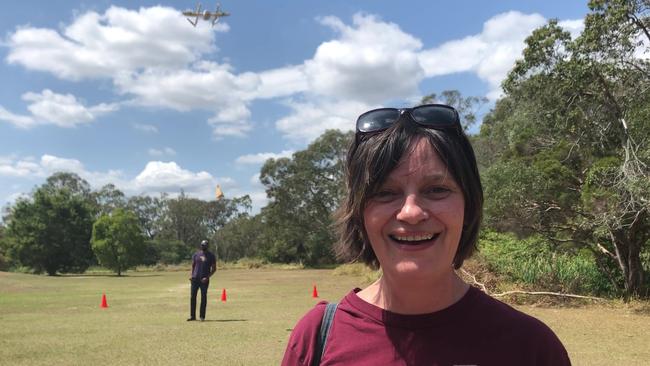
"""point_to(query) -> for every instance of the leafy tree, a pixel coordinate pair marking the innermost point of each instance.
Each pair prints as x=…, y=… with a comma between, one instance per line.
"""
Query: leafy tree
x=71, y=182
x=4, y=260
x=50, y=231
x=117, y=241
x=241, y=237
x=304, y=191
x=569, y=139
x=151, y=212
x=467, y=107
x=108, y=199
x=191, y=220
x=218, y=213
x=165, y=251
x=184, y=220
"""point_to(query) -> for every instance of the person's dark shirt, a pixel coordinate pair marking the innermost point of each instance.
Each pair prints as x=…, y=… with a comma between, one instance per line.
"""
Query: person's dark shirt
x=202, y=261
x=477, y=330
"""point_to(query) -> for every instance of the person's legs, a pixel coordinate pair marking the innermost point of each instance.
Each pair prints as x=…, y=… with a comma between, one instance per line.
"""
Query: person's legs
x=195, y=289
x=204, y=299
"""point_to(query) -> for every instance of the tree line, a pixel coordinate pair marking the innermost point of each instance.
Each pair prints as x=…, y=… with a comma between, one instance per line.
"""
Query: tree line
x=64, y=226
x=564, y=158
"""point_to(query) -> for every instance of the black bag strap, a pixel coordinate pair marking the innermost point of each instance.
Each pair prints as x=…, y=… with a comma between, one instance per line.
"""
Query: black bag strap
x=325, y=326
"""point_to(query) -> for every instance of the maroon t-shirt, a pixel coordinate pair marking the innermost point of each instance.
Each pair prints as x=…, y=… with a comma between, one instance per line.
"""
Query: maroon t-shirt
x=477, y=330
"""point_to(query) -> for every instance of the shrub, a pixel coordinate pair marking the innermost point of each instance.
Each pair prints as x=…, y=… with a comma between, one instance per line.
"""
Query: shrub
x=251, y=263
x=4, y=263
x=359, y=270
x=535, y=262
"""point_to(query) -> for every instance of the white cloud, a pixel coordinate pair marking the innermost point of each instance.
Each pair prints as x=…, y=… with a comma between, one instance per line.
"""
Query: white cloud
x=156, y=177
x=52, y=163
x=261, y=158
x=309, y=120
x=573, y=26
x=15, y=119
x=11, y=167
x=490, y=54
x=161, y=152
x=281, y=82
x=154, y=58
x=371, y=62
x=169, y=177
x=30, y=168
x=207, y=85
x=255, y=179
x=145, y=128
x=161, y=176
x=62, y=110
x=151, y=54
x=120, y=40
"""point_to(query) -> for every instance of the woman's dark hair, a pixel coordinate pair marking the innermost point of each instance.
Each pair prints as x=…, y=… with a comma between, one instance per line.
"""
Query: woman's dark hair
x=370, y=160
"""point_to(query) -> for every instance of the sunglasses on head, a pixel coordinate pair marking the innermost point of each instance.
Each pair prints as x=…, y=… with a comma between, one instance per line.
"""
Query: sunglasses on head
x=438, y=116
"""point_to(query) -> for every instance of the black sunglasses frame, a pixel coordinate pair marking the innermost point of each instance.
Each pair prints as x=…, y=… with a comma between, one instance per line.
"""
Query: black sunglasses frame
x=453, y=122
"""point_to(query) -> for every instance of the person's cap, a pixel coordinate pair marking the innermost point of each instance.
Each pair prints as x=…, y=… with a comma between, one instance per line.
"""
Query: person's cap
x=204, y=243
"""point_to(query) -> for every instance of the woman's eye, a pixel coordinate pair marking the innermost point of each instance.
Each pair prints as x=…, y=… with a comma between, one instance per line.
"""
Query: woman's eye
x=384, y=195
x=438, y=192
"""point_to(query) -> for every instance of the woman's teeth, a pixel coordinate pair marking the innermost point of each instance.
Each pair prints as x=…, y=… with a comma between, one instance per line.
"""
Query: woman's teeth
x=413, y=238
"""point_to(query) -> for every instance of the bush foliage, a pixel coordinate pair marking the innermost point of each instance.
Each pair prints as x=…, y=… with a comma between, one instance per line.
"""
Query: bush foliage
x=534, y=262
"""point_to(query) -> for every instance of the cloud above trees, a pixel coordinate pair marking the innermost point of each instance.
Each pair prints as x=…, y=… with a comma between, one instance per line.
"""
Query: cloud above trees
x=153, y=58
x=155, y=178
x=149, y=57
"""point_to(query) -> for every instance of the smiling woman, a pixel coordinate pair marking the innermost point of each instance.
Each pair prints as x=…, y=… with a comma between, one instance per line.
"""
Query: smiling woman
x=414, y=223
x=413, y=209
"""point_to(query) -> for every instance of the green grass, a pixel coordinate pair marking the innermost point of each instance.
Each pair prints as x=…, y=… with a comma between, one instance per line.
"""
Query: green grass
x=58, y=321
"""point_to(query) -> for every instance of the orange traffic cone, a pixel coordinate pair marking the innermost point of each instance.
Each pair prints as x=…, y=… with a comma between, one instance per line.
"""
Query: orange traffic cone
x=104, y=304
x=223, y=295
x=314, y=293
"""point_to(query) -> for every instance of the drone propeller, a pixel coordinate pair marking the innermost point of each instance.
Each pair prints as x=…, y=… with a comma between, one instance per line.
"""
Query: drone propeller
x=217, y=14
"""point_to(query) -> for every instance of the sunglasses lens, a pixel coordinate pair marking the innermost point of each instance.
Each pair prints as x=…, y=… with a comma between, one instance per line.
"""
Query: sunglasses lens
x=378, y=119
x=434, y=116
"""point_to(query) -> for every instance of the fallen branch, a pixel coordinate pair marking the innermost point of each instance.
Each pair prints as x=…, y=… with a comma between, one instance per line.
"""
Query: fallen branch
x=546, y=293
x=484, y=288
x=475, y=281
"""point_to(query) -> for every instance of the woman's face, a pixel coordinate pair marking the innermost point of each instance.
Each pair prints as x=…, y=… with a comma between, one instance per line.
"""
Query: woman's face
x=415, y=220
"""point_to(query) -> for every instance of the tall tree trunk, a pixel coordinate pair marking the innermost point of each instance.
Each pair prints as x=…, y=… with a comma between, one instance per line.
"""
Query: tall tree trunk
x=629, y=259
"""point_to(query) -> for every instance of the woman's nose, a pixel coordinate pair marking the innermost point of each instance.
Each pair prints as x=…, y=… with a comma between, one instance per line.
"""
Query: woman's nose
x=412, y=211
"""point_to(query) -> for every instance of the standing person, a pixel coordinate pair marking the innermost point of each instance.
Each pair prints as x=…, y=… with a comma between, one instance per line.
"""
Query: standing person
x=413, y=208
x=204, y=264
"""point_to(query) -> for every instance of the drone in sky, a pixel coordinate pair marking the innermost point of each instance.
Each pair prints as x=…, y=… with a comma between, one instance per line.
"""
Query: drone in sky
x=205, y=15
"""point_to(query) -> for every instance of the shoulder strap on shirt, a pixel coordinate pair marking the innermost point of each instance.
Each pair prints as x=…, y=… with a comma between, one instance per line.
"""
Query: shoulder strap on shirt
x=325, y=326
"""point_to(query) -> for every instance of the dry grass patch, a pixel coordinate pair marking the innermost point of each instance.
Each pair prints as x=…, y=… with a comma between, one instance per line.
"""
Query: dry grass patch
x=57, y=320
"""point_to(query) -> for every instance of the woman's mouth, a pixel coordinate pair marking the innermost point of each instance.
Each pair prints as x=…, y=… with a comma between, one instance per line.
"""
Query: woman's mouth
x=417, y=239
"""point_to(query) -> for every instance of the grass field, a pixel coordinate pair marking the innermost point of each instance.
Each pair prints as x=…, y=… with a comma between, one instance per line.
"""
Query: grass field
x=58, y=321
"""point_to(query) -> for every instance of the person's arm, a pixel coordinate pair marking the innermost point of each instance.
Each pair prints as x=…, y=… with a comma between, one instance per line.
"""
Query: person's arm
x=192, y=269
x=213, y=267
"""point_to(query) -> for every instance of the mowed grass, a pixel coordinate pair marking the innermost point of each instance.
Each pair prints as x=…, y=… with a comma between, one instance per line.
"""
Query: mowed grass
x=58, y=321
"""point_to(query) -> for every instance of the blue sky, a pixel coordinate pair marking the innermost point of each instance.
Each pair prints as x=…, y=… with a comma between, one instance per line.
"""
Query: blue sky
x=129, y=93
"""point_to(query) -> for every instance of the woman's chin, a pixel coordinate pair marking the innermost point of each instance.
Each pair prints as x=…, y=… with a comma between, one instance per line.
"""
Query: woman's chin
x=413, y=268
